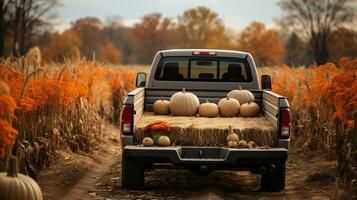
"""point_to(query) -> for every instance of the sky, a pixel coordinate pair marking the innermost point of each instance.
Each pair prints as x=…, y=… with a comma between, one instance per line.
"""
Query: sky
x=236, y=14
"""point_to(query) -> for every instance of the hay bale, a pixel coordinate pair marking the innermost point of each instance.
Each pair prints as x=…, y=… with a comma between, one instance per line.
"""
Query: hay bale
x=204, y=131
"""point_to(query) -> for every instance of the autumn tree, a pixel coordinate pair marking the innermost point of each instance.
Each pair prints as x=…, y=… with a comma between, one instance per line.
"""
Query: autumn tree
x=262, y=43
x=89, y=29
x=65, y=45
x=20, y=20
x=201, y=28
x=316, y=20
x=295, y=51
x=120, y=36
x=151, y=34
x=110, y=53
x=343, y=42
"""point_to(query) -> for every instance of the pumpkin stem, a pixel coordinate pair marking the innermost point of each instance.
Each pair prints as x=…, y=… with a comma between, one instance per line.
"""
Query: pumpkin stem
x=183, y=90
x=239, y=87
x=227, y=97
x=13, y=169
x=230, y=130
x=207, y=101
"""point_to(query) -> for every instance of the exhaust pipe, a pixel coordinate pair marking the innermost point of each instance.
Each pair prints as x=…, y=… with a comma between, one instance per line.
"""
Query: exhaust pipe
x=263, y=170
x=272, y=168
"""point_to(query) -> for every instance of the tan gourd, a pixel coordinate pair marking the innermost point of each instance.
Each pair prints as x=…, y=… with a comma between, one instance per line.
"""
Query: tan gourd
x=148, y=142
x=243, y=144
x=243, y=96
x=184, y=103
x=249, y=109
x=232, y=136
x=232, y=144
x=228, y=107
x=161, y=107
x=208, y=109
x=16, y=186
x=164, y=141
x=251, y=144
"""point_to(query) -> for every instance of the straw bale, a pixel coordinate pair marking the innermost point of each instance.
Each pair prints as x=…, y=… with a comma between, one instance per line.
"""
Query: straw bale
x=203, y=131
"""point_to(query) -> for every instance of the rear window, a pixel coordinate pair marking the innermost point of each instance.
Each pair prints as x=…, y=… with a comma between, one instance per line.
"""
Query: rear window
x=203, y=69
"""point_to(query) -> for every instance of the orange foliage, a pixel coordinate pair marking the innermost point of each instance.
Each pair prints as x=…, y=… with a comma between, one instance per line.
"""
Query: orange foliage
x=319, y=87
x=47, y=97
x=109, y=53
x=121, y=79
x=262, y=43
x=342, y=91
x=7, y=108
x=63, y=86
x=64, y=45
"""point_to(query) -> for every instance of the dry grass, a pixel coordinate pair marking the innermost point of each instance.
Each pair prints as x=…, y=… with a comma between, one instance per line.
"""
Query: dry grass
x=205, y=131
x=60, y=106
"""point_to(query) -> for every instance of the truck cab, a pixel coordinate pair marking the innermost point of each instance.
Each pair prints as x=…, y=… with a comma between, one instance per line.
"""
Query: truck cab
x=210, y=74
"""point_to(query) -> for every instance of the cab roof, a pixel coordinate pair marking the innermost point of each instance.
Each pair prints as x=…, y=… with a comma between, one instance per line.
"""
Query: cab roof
x=205, y=52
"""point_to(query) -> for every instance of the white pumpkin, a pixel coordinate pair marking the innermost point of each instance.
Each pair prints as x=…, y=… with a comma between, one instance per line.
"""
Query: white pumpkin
x=184, y=103
x=161, y=107
x=208, y=109
x=228, y=107
x=243, y=96
x=249, y=109
x=16, y=186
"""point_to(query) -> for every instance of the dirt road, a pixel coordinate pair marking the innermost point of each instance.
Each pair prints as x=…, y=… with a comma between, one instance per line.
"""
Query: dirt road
x=97, y=176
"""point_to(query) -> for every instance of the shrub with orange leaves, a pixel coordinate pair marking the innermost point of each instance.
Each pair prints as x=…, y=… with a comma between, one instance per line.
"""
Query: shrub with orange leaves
x=342, y=91
x=318, y=95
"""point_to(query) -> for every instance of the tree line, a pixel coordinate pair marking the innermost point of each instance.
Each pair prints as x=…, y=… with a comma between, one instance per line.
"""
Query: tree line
x=309, y=31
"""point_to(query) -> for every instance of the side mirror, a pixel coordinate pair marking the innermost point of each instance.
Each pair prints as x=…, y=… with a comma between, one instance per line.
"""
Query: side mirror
x=266, y=82
x=141, y=79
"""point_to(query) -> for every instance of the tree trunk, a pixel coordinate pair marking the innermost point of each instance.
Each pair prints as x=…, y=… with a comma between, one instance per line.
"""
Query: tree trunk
x=23, y=26
x=23, y=33
x=2, y=28
x=16, y=25
x=320, y=49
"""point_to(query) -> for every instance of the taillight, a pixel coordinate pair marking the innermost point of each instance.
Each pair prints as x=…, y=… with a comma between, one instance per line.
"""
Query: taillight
x=126, y=120
x=203, y=53
x=285, y=123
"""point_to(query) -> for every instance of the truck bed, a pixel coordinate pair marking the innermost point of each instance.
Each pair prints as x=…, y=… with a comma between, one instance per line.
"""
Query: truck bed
x=262, y=130
x=203, y=131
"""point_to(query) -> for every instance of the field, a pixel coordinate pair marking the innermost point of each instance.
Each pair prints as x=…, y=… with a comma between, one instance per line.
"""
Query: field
x=67, y=114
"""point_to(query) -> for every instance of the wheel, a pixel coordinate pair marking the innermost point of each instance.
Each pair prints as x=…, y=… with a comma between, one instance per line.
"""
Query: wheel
x=273, y=181
x=132, y=176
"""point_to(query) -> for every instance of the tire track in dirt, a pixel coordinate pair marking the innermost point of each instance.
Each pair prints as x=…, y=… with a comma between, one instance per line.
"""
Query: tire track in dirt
x=97, y=176
x=74, y=176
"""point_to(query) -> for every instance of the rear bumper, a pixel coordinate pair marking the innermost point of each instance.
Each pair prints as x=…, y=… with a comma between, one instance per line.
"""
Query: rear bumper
x=215, y=157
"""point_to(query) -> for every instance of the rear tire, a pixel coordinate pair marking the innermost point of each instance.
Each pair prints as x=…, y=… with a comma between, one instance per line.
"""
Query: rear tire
x=273, y=181
x=132, y=174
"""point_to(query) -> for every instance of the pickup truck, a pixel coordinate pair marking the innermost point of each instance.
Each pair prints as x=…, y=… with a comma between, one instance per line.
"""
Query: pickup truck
x=209, y=74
